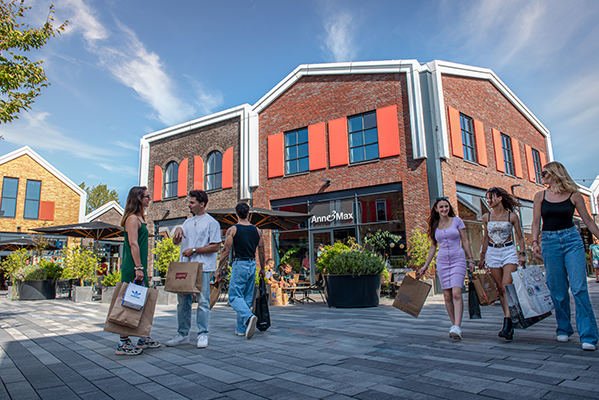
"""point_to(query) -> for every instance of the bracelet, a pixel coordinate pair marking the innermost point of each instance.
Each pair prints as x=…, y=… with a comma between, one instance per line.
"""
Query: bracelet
x=140, y=268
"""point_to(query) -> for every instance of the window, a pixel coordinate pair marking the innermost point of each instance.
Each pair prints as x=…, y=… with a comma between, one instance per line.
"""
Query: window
x=468, y=138
x=536, y=160
x=32, y=199
x=296, y=151
x=508, y=155
x=214, y=171
x=363, y=137
x=171, y=180
x=10, y=187
x=381, y=210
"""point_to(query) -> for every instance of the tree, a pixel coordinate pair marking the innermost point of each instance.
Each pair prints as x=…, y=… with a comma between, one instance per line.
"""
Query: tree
x=98, y=195
x=21, y=80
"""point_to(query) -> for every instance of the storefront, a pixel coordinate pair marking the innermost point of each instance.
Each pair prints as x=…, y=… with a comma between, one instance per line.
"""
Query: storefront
x=337, y=216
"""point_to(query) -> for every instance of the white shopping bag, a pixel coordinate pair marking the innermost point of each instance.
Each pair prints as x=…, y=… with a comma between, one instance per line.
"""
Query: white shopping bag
x=135, y=296
x=533, y=293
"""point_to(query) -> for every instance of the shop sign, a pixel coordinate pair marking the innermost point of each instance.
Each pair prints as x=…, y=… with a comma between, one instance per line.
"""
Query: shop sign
x=332, y=213
x=333, y=216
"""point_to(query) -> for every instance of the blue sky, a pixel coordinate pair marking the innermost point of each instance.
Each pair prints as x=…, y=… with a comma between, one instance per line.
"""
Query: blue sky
x=127, y=68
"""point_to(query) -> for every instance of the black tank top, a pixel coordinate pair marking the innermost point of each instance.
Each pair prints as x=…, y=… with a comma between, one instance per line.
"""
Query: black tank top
x=557, y=216
x=245, y=241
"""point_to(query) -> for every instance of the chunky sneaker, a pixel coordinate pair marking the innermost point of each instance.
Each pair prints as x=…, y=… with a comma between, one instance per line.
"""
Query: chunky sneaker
x=127, y=349
x=588, y=346
x=455, y=332
x=178, y=340
x=148, y=343
x=202, y=341
x=251, y=327
x=562, y=338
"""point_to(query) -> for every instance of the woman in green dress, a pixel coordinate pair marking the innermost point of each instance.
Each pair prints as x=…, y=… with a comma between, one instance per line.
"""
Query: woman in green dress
x=135, y=258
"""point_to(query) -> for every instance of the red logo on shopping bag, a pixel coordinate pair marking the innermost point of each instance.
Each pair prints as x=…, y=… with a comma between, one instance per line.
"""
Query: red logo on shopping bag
x=181, y=275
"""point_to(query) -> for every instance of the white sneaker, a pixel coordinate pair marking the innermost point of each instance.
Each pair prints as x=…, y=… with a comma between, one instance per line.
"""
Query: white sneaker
x=455, y=332
x=588, y=346
x=202, y=341
x=178, y=340
x=562, y=338
x=251, y=327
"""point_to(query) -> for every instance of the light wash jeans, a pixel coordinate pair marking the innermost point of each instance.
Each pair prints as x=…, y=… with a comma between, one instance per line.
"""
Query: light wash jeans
x=565, y=259
x=203, y=310
x=241, y=291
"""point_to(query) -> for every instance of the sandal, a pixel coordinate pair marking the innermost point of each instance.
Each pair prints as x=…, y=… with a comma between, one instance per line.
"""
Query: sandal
x=127, y=349
x=148, y=343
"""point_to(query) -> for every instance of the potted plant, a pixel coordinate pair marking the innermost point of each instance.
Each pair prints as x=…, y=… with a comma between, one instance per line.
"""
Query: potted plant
x=108, y=284
x=352, y=275
x=34, y=280
x=80, y=265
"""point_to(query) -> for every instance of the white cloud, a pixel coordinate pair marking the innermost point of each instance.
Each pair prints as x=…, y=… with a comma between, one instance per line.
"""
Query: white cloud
x=339, y=41
x=127, y=145
x=121, y=169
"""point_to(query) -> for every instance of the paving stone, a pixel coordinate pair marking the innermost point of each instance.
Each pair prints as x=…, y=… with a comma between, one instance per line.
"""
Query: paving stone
x=21, y=390
x=57, y=393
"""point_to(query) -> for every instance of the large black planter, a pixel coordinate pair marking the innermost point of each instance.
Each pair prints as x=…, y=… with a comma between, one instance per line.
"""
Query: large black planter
x=344, y=291
x=37, y=290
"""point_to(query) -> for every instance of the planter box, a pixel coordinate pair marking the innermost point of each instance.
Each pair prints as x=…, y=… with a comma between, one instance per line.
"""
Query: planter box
x=345, y=291
x=82, y=293
x=37, y=289
x=107, y=293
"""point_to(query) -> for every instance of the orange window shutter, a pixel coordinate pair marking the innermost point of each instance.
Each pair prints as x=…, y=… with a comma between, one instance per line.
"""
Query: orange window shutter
x=455, y=131
x=517, y=158
x=498, y=150
x=317, y=146
x=388, y=131
x=182, y=178
x=364, y=215
x=46, y=211
x=481, y=144
x=276, y=155
x=530, y=164
x=198, y=173
x=338, y=145
x=158, y=176
x=227, y=179
x=543, y=159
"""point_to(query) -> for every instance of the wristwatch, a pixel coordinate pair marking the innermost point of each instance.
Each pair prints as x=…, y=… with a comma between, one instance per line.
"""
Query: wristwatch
x=193, y=251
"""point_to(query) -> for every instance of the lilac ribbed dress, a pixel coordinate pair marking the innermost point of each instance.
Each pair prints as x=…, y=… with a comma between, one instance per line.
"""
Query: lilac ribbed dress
x=451, y=260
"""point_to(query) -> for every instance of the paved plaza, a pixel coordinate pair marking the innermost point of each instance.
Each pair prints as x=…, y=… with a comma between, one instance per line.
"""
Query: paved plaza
x=56, y=349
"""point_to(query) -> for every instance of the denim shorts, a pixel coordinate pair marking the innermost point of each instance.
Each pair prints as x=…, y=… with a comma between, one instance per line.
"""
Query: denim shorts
x=498, y=257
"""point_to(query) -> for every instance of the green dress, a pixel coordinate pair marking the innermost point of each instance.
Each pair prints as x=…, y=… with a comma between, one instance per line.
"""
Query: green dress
x=128, y=265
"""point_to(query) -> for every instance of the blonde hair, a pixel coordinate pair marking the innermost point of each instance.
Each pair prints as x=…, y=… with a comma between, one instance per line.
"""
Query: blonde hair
x=563, y=182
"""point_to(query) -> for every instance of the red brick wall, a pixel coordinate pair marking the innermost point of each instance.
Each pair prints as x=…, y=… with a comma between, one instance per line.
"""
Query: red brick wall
x=480, y=100
x=316, y=99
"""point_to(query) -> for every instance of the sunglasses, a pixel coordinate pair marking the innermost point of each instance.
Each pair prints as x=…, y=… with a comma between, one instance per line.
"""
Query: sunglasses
x=544, y=174
x=442, y=198
x=145, y=197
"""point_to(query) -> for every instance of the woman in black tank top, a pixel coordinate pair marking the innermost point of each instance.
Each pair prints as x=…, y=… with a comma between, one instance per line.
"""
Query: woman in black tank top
x=563, y=252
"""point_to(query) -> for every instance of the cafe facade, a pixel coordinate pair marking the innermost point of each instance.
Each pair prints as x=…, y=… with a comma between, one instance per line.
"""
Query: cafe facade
x=362, y=147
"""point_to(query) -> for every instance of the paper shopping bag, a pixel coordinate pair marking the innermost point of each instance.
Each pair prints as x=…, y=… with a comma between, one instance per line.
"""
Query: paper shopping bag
x=533, y=294
x=120, y=314
x=411, y=295
x=135, y=296
x=276, y=297
x=145, y=322
x=184, y=277
x=485, y=289
x=214, y=293
x=518, y=318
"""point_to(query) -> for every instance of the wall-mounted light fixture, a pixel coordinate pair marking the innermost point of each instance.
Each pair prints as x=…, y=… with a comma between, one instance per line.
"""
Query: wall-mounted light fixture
x=326, y=180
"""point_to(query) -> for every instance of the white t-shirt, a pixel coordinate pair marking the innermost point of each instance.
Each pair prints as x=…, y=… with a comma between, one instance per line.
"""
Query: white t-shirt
x=200, y=231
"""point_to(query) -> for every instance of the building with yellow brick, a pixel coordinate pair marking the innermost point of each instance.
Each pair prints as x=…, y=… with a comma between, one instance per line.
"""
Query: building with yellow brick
x=35, y=194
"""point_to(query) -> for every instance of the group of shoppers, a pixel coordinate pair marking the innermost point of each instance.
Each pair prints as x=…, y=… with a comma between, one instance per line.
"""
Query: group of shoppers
x=560, y=247
x=200, y=239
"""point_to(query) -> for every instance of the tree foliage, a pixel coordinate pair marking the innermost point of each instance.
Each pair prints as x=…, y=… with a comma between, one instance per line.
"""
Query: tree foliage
x=98, y=195
x=21, y=79
x=79, y=263
x=418, y=246
x=166, y=252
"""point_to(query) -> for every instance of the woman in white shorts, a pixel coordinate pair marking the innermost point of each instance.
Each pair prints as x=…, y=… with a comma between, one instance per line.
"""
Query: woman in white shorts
x=499, y=250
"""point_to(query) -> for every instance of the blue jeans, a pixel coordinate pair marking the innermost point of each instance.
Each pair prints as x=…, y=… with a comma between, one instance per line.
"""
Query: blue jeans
x=565, y=260
x=241, y=291
x=203, y=311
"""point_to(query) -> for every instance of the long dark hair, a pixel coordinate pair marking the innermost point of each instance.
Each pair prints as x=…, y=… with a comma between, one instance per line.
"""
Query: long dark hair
x=508, y=201
x=134, y=203
x=433, y=219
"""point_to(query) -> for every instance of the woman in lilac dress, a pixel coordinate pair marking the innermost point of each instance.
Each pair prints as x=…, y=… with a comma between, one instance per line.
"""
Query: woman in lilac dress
x=448, y=233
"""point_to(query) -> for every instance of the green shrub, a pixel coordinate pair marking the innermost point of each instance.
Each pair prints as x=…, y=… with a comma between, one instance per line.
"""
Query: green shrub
x=355, y=262
x=380, y=241
x=52, y=269
x=112, y=279
x=79, y=263
x=166, y=252
x=328, y=254
x=15, y=262
x=418, y=247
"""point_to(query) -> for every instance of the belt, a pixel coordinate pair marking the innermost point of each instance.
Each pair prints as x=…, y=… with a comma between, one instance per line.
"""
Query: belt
x=500, y=245
x=244, y=259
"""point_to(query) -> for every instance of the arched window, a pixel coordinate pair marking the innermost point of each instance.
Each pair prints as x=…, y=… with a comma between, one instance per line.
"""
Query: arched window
x=214, y=171
x=171, y=178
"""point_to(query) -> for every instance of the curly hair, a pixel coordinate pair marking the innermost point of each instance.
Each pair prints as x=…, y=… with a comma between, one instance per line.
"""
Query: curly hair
x=433, y=219
x=508, y=201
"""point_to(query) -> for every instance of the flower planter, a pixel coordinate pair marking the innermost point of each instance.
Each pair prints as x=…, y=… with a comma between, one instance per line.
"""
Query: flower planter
x=82, y=293
x=349, y=291
x=37, y=289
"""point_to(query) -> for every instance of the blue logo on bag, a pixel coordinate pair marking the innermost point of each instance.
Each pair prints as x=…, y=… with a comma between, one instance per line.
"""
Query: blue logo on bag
x=135, y=294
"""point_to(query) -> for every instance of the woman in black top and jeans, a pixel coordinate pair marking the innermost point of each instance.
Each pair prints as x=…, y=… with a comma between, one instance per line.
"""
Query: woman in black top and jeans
x=563, y=252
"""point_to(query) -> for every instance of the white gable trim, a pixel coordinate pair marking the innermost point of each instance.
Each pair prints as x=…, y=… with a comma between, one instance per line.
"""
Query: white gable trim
x=105, y=208
x=26, y=150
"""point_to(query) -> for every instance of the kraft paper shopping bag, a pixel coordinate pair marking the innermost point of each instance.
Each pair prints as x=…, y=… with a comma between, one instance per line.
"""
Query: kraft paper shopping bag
x=411, y=295
x=145, y=322
x=184, y=277
x=120, y=314
x=485, y=289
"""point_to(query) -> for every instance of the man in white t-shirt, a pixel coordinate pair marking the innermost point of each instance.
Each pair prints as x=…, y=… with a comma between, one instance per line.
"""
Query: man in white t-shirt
x=200, y=239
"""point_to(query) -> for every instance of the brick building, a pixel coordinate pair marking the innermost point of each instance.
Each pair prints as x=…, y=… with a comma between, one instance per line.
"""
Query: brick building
x=361, y=146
